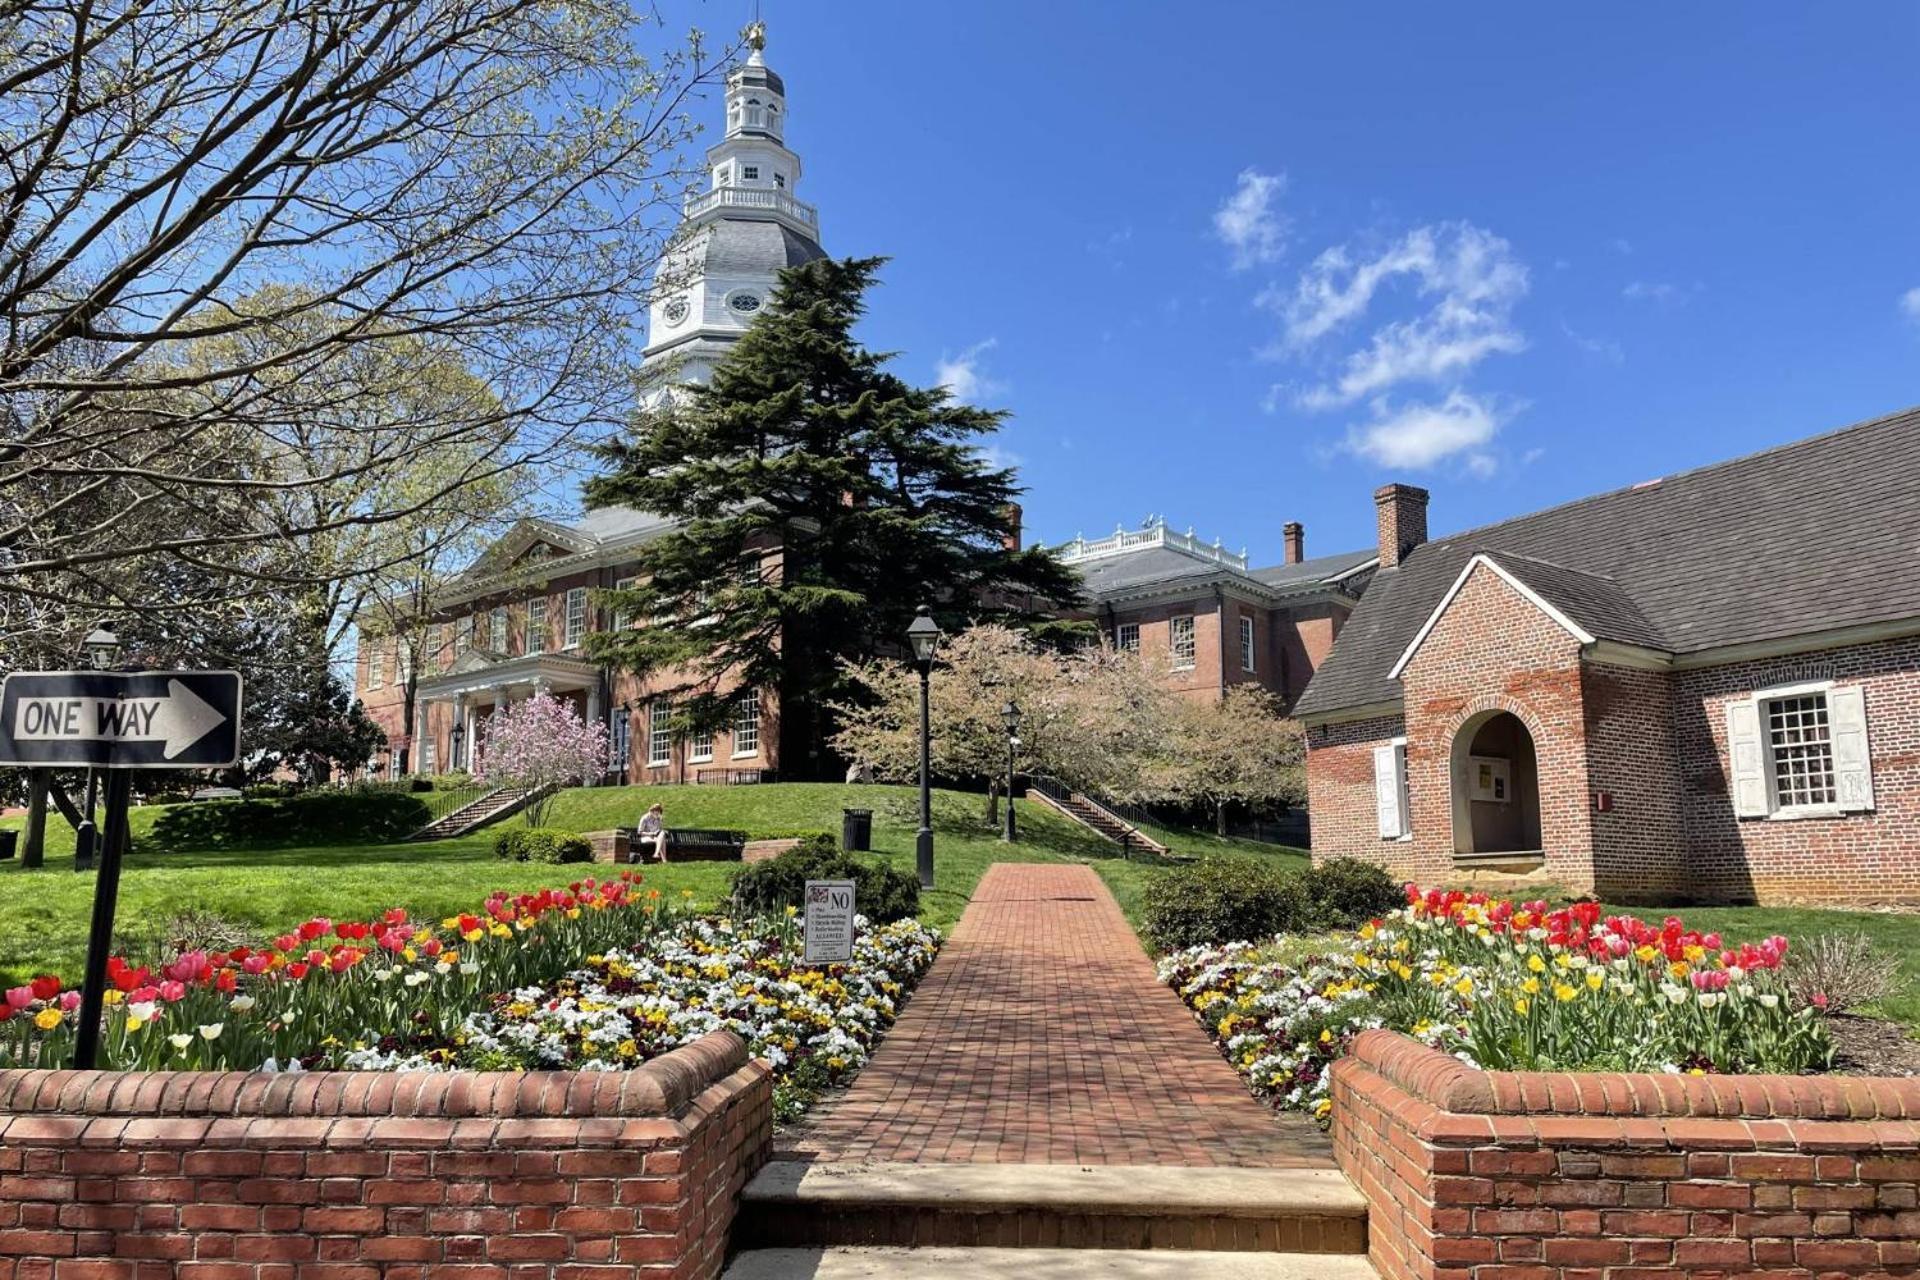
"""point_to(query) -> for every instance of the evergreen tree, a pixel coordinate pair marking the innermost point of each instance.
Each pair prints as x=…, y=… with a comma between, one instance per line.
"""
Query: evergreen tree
x=819, y=499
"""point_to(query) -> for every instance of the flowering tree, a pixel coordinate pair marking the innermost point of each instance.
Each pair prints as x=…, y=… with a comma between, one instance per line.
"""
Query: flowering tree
x=1083, y=716
x=540, y=744
x=1240, y=749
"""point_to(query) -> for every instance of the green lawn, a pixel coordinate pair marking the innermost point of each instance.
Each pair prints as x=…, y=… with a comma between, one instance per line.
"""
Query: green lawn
x=44, y=914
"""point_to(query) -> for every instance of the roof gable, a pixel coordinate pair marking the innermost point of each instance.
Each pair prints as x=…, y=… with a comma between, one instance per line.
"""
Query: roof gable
x=1816, y=535
x=1527, y=593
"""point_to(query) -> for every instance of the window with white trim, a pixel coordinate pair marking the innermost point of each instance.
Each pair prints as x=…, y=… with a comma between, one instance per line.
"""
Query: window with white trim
x=700, y=747
x=1180, y=642
x=750, y=172
x=403, y=663
x=437, y=647
x=463, y=635
x=1126, y=637
x=497, y=629
x=659, y=732
x=1246, y=643
x=376, y=667
x=622, y=616
x=1800, y=744
x=576, y=617
x=1393, y=802
x=426, y=755
x=1799, y=750
x=746, y=724
x=537, y=624
x=779, y=180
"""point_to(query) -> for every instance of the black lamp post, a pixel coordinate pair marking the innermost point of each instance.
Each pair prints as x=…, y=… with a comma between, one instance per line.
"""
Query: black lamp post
x=103, y=654
x=1010, y=716
x=924, y=636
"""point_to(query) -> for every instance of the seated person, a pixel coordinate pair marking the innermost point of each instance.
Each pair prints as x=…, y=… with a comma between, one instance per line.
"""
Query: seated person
x=651, y=837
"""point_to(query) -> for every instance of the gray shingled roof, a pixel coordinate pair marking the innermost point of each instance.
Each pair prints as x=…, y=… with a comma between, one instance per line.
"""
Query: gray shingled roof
x=1310, y=572
x=1156, y=566
x=618, y=522
x=1811, y=536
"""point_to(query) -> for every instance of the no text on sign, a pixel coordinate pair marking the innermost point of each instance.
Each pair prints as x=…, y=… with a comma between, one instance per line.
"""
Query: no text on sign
x=829, y=918
x=121, y=719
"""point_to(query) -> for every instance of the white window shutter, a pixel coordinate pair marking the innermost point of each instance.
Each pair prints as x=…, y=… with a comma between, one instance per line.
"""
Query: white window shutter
x=1852, y=764
x=1386, y=792
x=1747, y=778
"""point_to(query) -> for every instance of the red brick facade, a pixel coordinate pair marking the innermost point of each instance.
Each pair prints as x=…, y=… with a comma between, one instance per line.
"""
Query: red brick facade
x=1289, y=641
x=611, y=696
x=351, y=1176
x=1632, y=765
x=1474, y=1175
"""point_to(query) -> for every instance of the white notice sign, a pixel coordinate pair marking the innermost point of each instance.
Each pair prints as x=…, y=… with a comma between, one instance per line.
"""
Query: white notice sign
x=829, y=920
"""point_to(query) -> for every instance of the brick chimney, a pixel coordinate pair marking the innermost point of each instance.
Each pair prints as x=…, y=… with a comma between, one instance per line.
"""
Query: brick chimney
x=1011, y=539
x=1402, y=512
x=1295, y=535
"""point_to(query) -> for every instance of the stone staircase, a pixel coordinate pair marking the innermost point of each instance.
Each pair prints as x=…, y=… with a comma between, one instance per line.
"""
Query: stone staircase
x=501, y=802
x=833, y=1221
x=1095, y=816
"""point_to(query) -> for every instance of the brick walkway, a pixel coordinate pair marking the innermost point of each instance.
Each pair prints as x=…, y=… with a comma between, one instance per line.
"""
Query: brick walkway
x=1041, y=1036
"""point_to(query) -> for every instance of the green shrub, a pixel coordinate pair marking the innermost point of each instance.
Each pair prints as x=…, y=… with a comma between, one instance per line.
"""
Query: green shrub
x=542, y=844
x=1238, y=900
x=1222, y=900
x=1347, y=892
x=312, y=817
x=880, y=893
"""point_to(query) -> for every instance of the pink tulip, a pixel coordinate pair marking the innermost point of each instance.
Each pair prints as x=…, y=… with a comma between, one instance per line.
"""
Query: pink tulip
x=18, y=998
x=172, y=990
x=69, y=1000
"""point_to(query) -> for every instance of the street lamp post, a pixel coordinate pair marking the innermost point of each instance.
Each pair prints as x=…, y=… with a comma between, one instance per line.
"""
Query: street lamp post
x=103, y=653
x=1010, y=716
x=924, y=636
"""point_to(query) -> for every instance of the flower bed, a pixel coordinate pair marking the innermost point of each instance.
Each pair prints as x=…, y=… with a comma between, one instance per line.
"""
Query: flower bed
x=500, y=988
x=815, y=1025
x=1502, y=986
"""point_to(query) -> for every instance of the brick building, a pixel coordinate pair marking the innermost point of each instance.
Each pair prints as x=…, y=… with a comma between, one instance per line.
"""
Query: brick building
x=515, y=623
x=1218, y=622
x=1705, y=686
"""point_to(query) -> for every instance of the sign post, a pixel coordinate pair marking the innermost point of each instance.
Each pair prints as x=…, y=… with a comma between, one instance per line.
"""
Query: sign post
x=116, y=721
x=829, y=919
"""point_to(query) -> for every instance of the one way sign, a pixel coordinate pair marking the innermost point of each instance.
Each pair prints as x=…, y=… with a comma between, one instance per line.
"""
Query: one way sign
x=121, y=720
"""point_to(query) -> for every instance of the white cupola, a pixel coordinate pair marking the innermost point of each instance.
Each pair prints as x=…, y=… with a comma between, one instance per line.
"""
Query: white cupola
x=737, y=234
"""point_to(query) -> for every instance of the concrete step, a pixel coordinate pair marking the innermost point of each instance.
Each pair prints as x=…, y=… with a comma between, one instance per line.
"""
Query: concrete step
x=1042, y=1264
x=794, y=1204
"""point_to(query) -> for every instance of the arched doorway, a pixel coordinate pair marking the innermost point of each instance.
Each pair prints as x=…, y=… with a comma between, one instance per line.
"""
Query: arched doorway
x=1496, y=786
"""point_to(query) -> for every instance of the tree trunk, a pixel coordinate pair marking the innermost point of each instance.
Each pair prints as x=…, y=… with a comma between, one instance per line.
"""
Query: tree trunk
x=1220, y=818
x=34, y=850
x=993, y=802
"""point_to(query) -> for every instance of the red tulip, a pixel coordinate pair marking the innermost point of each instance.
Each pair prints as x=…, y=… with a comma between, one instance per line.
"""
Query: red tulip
x=45, y=987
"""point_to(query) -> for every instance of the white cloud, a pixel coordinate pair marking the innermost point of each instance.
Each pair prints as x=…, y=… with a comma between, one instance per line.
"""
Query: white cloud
x=1417, y=436
x=1622, y=246
x=963, y=375
x=1910, y=304
x=1247, y=222
x=1468, y=280
x=1605, y=350
x=1660, y=292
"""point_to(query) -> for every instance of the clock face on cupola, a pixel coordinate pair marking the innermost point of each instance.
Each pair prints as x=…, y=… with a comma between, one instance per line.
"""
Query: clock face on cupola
x=736, y=236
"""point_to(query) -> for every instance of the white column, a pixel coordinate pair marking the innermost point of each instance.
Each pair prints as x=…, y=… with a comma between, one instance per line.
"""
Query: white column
x=418, y=755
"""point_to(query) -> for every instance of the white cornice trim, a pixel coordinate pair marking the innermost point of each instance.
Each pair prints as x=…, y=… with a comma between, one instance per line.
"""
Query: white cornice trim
x=1804, y=642
x=1532, y=597
x=1639, y=657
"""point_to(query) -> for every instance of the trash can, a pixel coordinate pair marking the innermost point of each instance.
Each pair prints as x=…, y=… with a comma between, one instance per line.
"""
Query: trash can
x=856, y=829
x=8, y=839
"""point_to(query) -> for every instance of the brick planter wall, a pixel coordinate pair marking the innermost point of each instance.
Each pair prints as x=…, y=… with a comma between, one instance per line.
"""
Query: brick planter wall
x=1489, y=1175
x=356, y=1176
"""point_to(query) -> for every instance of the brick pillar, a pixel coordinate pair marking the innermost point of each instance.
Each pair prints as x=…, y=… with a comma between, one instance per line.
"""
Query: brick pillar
x=1295, y=535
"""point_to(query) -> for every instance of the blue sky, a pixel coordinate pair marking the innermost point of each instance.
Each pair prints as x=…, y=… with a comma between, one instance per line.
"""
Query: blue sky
x=1238, y=264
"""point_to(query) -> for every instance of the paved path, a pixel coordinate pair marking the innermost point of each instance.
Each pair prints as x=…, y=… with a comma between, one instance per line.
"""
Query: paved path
x=1042, y=1036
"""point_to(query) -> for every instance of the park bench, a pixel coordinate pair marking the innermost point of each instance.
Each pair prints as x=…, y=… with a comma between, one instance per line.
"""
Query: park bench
x=697, y=844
